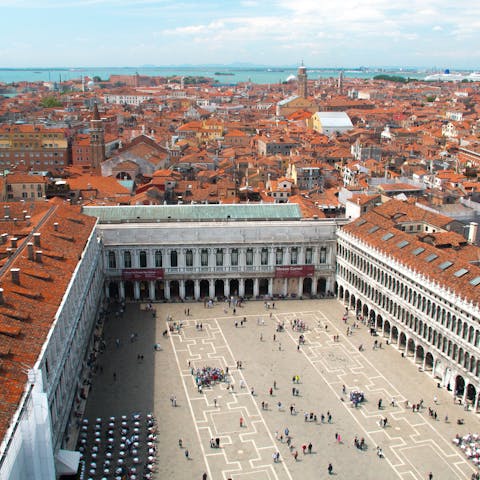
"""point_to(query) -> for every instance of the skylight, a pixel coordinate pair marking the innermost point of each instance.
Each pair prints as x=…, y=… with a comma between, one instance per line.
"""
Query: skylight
x=431, y=257
x=418, y=251
x=475, y=281
x=373, y=229
x=403, y=243
x=388, y=236
x=445, y=265
x=361, y=222
x=461, y=272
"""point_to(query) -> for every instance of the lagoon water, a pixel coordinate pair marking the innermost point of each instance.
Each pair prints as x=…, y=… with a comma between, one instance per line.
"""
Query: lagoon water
x=261, y=75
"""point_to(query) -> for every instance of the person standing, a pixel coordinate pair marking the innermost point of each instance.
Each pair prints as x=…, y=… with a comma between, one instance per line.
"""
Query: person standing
x=330, y=468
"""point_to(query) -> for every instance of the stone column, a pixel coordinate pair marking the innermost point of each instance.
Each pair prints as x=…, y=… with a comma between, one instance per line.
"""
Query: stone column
x=107, y=290
x=285, y=287
x=151, y=289
x=300, y=287
x=226, y=287
x=196, y=289
x=241, y=287
x=167, y=290
x=136, y=290
x=211, y=288
x=314, y=285
x=270, y=287
x=256, y=289
x=121, y=290
x=182, y=289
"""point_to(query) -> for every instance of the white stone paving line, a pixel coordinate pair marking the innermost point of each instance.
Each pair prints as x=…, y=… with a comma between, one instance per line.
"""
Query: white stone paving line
x=354, y=417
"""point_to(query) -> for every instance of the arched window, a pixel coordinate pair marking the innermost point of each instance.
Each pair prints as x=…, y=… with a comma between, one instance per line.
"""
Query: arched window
x=219, y=257
x=323, y=255
x=264, y=256
x=112, y=259
x=204, y=257
x=294, y=256
x=234, y=257
x=279, y=256
x=249, y=257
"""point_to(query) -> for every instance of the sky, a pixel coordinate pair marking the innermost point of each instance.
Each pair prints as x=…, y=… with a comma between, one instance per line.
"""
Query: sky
x=342, y=33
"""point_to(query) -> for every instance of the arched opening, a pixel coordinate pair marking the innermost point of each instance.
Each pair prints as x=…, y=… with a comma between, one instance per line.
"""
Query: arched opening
x=159, y=290
x=340, y=291
x=144, y=290
x=263, y=286
x=249, y=287
x=307, y=286
x=322, y=287
x=358, y=306
x=459, y=386
x=234, y=287
x=113, y=290
x=174, y=289
x=379, y=322
x=394, y=334
x=204, y=289
x=129, y=290
x=419, y=354
x=219, y=288
x=365, y=311
x=410, y=347
x=402, y=342
x=189, y=289
x=429, y=361
x=386, y=329
x=471, y=393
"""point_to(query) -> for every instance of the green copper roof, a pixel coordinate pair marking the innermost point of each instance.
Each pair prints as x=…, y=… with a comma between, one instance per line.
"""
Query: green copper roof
x=198, y=213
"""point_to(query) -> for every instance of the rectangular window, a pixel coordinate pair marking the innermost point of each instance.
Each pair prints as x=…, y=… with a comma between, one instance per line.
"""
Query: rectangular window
x=204, y=258
x=234, y=257
x=264, y=256
x=143, y=259
x=249, y=259
x=294, y=256
x=219, y=257
x=308, y=256
x=323, y=255
x=279, y=256
x=158, y=258
x=189, y=258
x=127, y=259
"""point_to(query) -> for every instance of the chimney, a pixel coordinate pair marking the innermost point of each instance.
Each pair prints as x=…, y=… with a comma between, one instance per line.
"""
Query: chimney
x=4, y=238
x=24, y=213
x=15, y=275
x=38, y=256
x=27, y=219
x=55, y=226
x=15, y=220
x=472, y=232
x=36, y=239
x=2, y=301
x=14, y=241
x=30, y=250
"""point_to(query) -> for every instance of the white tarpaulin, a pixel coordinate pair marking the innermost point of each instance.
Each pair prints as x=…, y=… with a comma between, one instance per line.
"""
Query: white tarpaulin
x=66, y=462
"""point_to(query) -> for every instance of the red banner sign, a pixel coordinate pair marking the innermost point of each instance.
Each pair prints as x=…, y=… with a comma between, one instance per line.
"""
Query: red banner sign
x=142, y=273
x=293, y=271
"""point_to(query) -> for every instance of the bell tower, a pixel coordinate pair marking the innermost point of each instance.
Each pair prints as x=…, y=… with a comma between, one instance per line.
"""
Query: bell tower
x=97, y=141
x=302, y=81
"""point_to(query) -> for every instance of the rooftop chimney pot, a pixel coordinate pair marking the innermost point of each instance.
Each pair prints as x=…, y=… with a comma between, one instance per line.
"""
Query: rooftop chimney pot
x=30, y=250
x=38, y=256
x=15, y=275
x=36, y=239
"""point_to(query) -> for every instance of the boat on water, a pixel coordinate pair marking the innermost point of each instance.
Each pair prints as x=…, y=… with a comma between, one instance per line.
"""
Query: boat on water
x=444, y=77
x=224, y=73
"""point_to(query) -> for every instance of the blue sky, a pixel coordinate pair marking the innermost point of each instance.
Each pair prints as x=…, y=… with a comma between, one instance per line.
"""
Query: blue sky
x=51, y=33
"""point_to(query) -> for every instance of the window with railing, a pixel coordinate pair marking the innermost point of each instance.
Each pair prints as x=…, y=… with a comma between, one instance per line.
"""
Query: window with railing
x=264, y=256
x=189, y=258
x=127, y=259
x=249, y=256
x=323, y=255
x=219, y=257
x=158, y=258
x=204, y=258
x=279, y=256
x=143, y=259
x=234, y=257
x=112, y=259
x=173, y=258
x=308, y=255
x=294, y=256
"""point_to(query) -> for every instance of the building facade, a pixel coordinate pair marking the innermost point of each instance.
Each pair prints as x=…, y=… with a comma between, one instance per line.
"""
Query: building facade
x=418, y=285
x=257, y=257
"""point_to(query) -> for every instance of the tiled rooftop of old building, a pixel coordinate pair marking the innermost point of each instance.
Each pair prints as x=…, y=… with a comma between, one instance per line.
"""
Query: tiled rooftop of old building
x=29, y=305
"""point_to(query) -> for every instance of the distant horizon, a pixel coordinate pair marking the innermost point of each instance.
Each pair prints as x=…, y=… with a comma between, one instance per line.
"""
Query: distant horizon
x=247, y=66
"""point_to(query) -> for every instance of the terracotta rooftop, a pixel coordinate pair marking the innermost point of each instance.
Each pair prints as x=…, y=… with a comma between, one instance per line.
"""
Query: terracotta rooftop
x=29, y=307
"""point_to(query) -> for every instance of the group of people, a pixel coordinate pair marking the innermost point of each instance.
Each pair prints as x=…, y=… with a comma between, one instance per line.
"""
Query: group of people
x=207, y=376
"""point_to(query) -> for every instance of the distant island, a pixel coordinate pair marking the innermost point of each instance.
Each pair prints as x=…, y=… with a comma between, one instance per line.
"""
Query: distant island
x=224, y=73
